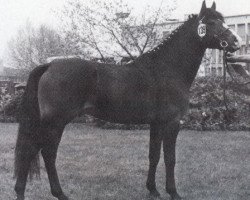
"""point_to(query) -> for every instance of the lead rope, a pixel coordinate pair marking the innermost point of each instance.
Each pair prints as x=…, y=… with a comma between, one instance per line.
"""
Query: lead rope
x=225, y=69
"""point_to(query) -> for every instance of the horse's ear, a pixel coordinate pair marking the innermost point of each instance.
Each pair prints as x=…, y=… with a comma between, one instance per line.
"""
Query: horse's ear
x=214, y=6
x=203, y=8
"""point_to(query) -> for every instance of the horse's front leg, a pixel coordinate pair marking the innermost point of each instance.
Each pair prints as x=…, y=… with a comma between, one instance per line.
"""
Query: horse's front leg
x=154, y=157
x=170, y=132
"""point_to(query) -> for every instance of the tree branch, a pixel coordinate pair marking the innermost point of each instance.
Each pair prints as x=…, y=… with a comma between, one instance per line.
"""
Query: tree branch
x=152, y=27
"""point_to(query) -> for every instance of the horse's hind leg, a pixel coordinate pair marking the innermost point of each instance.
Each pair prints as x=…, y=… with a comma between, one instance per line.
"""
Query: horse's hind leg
x=154, y=157
x=50, y=145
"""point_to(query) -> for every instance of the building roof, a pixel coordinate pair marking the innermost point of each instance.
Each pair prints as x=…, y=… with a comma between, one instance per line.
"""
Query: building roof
x=241, y=15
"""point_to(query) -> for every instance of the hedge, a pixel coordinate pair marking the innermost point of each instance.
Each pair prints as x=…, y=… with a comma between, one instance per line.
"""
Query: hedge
x=207, y=108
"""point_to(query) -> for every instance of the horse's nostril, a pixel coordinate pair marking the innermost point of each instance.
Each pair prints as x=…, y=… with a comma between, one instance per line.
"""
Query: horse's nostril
x=235, y=39
x=236, y=42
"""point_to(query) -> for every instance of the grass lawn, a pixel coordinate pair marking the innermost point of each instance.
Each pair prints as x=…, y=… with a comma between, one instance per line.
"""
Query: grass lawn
x=96, y=164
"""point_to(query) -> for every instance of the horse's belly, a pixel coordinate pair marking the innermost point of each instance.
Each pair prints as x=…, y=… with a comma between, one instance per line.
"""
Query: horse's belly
x=128, y=112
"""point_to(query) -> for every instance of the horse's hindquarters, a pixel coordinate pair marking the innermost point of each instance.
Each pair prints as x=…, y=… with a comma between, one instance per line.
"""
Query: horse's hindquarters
x=65, y=89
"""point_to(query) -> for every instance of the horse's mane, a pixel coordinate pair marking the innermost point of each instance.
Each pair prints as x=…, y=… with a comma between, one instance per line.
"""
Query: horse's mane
x=176, y=32
x=168, y=40
x=209, y=13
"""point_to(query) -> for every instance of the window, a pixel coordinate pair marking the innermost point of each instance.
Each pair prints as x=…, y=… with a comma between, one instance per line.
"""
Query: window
x=213, y=56
x=220, y=57
x=243, y=49
x=242, y=31
x=232, y=26
x=220, y=72
x=248, y=45
x=248, y=35
x=213, y=71
x=207, y=71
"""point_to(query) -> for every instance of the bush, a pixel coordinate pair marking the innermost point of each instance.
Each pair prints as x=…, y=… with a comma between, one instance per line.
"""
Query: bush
x=211, y=112
x=9, y=106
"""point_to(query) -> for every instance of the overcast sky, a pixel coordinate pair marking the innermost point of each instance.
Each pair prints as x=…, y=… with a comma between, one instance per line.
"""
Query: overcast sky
x=15, y=13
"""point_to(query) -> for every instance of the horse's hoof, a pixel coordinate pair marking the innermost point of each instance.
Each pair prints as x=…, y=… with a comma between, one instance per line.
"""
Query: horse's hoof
x=154, y=193
x=152, y=189
x=20, y=197
x=176, y=196
x=63, y=197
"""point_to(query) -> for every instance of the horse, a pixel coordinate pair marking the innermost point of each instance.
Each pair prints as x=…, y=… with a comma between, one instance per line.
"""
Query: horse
x=152, y=89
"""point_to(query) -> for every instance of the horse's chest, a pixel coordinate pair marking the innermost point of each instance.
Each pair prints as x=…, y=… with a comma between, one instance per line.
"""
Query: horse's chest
x=172, y=102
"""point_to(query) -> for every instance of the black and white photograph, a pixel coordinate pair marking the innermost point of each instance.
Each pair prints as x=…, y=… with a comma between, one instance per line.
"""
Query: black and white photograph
x=124, y=100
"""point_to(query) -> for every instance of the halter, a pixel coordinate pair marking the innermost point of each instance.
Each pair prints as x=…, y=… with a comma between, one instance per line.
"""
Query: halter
x=223, y=43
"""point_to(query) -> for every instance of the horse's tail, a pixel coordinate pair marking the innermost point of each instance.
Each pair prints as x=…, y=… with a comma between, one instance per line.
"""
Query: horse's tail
x=29, y=121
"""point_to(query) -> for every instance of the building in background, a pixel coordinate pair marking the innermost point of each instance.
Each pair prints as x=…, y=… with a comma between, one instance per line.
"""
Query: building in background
x=9, y=80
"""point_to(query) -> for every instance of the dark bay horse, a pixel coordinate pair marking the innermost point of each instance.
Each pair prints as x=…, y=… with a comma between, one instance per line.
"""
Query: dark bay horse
x=153, y=89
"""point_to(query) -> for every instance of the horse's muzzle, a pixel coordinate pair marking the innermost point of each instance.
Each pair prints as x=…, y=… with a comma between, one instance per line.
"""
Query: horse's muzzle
x=233, y=48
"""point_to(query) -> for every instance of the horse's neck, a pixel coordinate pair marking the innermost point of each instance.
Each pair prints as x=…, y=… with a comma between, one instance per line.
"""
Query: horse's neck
x=179, y=57
x=189, y=58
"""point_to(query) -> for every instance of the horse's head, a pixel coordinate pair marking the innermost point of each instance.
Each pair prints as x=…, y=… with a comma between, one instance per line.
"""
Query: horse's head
x=213, y=31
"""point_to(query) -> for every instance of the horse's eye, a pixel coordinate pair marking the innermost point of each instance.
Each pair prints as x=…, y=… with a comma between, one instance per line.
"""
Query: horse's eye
x=211, y=23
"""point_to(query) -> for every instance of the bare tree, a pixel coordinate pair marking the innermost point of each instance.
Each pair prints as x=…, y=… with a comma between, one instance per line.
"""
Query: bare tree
x=21, y=48
x=111, y=28
x=32, y=46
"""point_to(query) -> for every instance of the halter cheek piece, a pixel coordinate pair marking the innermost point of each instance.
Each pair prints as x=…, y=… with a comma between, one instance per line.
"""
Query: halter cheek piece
x=202, y=32
x=223, y=43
